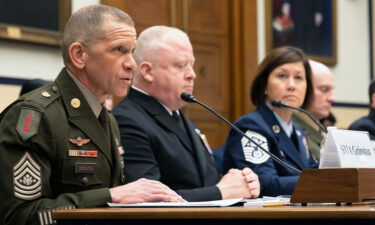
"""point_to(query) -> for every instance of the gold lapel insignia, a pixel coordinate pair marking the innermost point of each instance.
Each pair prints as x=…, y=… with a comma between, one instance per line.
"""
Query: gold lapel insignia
x=75, y=103
x=276, y=129
x=79, y=141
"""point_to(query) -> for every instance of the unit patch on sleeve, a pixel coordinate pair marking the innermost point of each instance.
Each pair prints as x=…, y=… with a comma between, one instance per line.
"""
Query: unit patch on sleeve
x=28, y=123
x=27, y=179
x=252, y=152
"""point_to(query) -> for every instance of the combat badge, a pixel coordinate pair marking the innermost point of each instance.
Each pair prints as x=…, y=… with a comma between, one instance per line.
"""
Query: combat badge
x=252, y=152
x=27, y=179
x=28, y=123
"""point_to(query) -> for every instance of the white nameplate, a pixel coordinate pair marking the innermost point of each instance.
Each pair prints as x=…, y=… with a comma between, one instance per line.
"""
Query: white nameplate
x=347, y=149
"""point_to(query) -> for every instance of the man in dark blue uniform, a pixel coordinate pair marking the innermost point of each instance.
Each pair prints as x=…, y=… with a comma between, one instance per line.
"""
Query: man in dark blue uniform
x=367, y=123
x=160, y=142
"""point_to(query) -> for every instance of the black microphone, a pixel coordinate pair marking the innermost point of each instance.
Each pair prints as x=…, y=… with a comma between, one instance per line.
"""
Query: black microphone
x=281, y=104
x=190, y=98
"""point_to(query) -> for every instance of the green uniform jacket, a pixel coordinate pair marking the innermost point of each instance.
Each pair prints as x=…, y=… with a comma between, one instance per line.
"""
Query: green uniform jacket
x=314, y=138
x=54, y=154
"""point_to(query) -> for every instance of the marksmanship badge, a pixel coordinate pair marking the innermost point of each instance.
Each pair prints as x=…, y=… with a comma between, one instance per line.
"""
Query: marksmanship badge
x=27, y=179
x=252, y=152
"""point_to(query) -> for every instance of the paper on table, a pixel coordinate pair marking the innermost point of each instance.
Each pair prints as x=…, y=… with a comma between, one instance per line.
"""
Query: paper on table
x=218, y=203
x=260, y=202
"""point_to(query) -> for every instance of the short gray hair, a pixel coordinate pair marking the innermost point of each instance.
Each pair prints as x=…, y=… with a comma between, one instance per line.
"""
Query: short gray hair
x=85, y=26
x=155, y=37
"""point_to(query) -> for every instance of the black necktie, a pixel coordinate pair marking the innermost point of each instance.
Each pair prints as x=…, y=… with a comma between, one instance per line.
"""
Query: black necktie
x=103, y=119
x=179, y=120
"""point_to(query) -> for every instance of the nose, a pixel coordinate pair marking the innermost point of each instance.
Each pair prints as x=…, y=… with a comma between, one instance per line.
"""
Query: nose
x=291, y=85
x=190, y=73
x=130, y=64
x=331, y=98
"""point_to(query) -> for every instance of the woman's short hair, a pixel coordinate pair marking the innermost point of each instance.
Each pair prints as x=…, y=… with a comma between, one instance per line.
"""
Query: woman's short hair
x=278, y=57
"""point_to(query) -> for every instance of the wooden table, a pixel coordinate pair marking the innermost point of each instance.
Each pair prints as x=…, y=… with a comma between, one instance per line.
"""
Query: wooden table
x=362, y=214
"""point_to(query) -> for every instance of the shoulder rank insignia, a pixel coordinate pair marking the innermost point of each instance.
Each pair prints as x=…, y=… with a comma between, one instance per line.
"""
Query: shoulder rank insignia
x=79, y=141
x=252, y=152
x=27, y=179
x=28, y=122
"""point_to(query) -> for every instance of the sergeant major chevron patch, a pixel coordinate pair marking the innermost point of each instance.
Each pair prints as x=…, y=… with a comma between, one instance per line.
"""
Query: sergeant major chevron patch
x=27, y=179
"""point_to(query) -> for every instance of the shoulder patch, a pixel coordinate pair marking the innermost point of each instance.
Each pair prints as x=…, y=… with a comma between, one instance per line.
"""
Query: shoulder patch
x=27, y=179
x=253, y=153
x=28, y=122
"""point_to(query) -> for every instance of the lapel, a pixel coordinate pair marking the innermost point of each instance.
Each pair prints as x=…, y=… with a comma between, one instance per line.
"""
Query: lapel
x=82, y=117
x=310, y=129
x=284, y=143
x=160, y=115
x=371, y=114
x=301, y=146
x=115, y=144
x=198, y=147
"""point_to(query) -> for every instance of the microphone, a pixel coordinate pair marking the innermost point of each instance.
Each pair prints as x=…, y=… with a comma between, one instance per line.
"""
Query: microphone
x=281, y=104
x=190, y=98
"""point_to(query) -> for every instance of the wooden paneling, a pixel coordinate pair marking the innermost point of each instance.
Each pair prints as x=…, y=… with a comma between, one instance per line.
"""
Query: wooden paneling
x=207, y=16
x=211, y=86
x=147, y=13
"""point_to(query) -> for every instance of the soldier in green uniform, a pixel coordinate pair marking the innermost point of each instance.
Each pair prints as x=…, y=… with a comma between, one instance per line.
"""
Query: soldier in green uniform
x=322, y=79
x=59, y=147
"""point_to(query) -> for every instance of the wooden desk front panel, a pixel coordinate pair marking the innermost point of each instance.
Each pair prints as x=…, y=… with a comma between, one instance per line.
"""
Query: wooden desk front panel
x=233, y=215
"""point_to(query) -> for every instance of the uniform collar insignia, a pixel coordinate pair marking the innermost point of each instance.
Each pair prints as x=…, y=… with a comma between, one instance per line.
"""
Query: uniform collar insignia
x=79, y=141
x=276, y=129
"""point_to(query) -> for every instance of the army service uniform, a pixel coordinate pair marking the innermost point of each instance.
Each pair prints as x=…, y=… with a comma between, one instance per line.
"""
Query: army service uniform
x=54, y=153
x=312, y=131
x=263, y=127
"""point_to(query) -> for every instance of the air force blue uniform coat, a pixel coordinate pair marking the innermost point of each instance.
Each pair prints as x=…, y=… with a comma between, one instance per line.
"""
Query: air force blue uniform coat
x=263, y=127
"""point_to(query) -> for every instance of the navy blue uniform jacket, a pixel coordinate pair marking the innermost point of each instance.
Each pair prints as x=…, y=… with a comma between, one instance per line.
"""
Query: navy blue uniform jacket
x=366, y=123
x=157, y=148
x=262, y=126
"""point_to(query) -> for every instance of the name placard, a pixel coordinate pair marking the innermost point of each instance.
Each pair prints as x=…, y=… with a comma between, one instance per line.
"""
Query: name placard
x=347, y=149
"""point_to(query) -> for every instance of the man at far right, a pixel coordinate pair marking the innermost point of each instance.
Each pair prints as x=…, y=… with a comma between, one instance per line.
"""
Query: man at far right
x=367, y=123
x=322, y=79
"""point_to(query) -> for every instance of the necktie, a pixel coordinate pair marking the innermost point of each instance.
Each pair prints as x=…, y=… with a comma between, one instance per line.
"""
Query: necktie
x=103, y=120
x=179, y=120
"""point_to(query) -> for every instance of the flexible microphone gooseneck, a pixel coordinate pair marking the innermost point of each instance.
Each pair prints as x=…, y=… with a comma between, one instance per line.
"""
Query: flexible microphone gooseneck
x=190, y=98
x=281, y=104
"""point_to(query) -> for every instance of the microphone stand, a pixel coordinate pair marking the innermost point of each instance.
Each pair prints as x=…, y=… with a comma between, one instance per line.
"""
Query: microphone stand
x=281, y=104
x=190, y=98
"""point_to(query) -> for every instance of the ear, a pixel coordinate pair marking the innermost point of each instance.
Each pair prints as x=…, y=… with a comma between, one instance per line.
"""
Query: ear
x=373, y=100
x=145, y=69
x=77, y=55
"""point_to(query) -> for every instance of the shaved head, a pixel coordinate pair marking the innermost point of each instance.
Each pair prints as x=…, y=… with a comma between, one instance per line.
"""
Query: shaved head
x=322, y=78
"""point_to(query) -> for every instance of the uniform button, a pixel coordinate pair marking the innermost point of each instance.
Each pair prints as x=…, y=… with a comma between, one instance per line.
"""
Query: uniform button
x=85, y=180
x=55, y=89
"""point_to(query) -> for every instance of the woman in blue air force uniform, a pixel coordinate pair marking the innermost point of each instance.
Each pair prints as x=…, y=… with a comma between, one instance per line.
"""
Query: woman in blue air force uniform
x=284, y=75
